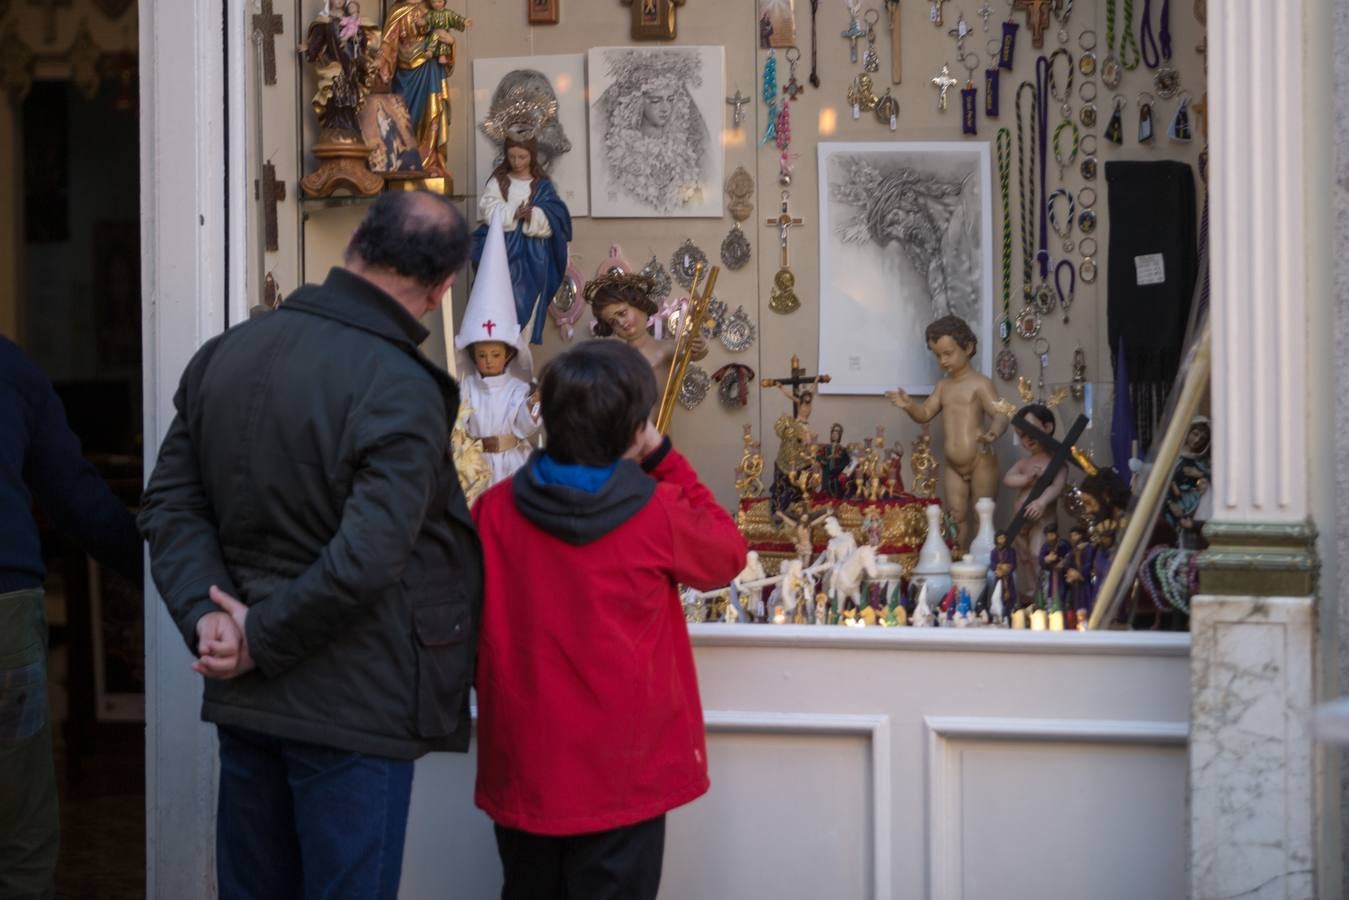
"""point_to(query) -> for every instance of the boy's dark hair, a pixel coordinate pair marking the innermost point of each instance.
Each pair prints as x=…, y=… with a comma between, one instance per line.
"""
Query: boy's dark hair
x=1042, y=413
x=1078, y=530
x=418, y=234
x=594, y=399
x=955, y=328
x=1051, y=528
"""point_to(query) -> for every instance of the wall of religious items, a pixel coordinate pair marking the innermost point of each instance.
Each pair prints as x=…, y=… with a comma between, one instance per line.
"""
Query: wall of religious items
x=929, y=254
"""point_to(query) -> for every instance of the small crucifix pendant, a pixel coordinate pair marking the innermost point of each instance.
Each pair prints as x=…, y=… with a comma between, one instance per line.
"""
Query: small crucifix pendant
x=854, y=32
x=943, y=81
x=737, y=103
x=935, y=14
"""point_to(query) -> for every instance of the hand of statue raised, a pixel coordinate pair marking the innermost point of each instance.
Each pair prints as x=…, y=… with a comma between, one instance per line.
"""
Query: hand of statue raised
x=899, y=397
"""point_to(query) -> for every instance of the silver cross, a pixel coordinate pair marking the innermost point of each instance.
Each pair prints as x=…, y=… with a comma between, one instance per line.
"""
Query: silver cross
x=737, y=103
x=944, y=81
x=984, y=12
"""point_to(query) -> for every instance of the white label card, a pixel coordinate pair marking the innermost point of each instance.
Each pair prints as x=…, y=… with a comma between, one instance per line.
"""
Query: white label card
x=1150, y=269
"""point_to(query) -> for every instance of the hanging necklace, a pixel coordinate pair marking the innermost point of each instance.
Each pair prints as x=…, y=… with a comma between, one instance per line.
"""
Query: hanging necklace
x=1110, y=69
x=1062, y=11
x=1027, y=322
x=1128, y=47
x=770, y=96
x=1065, y=300
x=1006, y=362
x=1166, y=78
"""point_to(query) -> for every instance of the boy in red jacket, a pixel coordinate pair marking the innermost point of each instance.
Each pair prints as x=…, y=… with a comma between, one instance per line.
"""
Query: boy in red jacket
x=589, y=722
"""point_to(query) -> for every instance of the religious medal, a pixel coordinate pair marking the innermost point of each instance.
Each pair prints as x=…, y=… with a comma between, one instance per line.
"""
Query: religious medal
x=960, y=32
x=992, y=79
x=1180, y=130
x=1005, y=365
x=684, y=262
x=1114, y=129
x=1111, y=74
x=1166, y=82
x=740, y=188
x=735, y=249
x=1145, y=131
x=887, y=110
x=1086, y=63
x=737, y=332
x=854, y=31
x=735, y=381
x=871, y=60
x=1087, y=116
x=1027, y=324
x=1088, y=168
x=1042, y=300
x=792, y=88
x=694, y=387
x=1086, y=270
x=1086, y=221
x=716, y=314
x=783, y=299
x=860, y=95
x=1062, y=9
x=660, y=279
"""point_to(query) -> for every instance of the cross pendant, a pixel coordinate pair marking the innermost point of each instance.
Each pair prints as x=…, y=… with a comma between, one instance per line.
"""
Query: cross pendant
x=852, y=34
x=984, y=12
x=1037, y=18
x=784, y=221
x=737, y=103
x=936, y=14
x=267, y=25
x=943, y=81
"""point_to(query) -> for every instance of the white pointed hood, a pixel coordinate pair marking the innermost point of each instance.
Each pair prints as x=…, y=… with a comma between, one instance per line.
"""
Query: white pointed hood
x=490, y=314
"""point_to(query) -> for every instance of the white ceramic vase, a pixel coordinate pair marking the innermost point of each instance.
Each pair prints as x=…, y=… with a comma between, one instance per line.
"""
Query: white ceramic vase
x=981, y=548
x=934, y=558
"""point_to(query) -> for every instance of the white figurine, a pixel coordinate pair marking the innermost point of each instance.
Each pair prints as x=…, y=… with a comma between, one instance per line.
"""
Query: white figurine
x=751, y=599
x=495, y=365
x=922, y=613
x=790, y=591
x=995, y=607
x=847, y=575
x=841, y=545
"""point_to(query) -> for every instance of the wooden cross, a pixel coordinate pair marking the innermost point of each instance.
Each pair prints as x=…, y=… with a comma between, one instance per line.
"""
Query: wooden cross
x=50, y=10
x=796, y=381
x=271, y=192
x=268, y=26
x=944, y=81
x=892, y=7
x=737, y=102
x=1037, y=18
x=1063, y=454
x=784, y=221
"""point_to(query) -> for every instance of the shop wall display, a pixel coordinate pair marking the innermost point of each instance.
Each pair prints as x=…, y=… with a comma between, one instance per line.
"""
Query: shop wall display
x=655, y=131
x=563, y=144
x=904, y=239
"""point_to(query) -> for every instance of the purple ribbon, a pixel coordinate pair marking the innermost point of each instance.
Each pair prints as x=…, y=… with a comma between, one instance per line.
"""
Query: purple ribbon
x=968, y=109
x=992, y=83
x=1008, y=47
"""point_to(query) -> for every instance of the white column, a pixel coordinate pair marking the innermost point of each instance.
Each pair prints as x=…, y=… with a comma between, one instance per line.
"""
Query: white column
x=183, y=239
x=1255, y=775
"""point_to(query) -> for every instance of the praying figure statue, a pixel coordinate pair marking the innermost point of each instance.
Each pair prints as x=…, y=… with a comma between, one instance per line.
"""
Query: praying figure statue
x=968, y=399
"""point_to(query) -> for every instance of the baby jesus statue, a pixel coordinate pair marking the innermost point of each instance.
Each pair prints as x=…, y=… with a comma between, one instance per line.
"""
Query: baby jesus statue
x=440, y=22
x=968, y=399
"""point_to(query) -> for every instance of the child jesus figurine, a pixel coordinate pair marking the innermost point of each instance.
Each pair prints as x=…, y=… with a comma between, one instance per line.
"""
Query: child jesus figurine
x=440, y=22
x=968, y=399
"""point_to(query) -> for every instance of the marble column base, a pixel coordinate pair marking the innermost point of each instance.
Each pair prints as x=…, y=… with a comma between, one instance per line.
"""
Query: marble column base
x=1254, y=768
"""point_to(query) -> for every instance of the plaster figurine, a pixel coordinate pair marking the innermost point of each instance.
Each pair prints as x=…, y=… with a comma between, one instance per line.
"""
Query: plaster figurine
x=968, y=399
x=841, y=545
x=751, y=598
x=1189, y=484
x=1053, y=556
x=1002, y=563
x=1023, y=475
x=834, y=459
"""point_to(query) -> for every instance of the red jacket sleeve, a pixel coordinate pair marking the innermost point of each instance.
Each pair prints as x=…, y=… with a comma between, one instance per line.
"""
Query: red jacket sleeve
x=707, y=550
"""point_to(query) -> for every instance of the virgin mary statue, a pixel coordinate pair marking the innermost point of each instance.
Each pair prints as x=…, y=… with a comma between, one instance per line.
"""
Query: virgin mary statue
x=408, y=63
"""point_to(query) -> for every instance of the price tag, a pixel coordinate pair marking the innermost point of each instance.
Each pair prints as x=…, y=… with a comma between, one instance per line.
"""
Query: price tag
x=856, y=111
x=1150, y=269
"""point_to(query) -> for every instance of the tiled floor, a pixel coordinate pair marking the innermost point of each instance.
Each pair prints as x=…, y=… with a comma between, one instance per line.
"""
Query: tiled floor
x=103, y=818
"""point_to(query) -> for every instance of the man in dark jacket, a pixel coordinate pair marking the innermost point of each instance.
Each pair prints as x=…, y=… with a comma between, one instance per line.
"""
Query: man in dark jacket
x=306, y=474
x=40, y=460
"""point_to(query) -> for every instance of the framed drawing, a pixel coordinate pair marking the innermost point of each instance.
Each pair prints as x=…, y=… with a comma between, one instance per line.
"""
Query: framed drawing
x=655, y=131
x=905, y=238
x=543, y=12
x=387, y=127
x=563, y=140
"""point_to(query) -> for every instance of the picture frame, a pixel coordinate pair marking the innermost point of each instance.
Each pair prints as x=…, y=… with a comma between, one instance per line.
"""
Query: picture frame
x=386, y=126
x=654, y=20
x=656, y=116
x=879, y=289
x=543, y=12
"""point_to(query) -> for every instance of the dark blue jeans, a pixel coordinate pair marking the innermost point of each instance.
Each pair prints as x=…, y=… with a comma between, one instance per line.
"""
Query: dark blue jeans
x=299, y=820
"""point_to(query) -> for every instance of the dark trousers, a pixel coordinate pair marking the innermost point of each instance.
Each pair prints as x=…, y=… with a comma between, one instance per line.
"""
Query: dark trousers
x=29, y=827
x=622, y=864
x=299, y=820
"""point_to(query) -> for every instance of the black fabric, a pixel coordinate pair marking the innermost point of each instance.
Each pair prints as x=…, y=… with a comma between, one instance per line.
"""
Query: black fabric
x=621, y=864
x=1152, y=211
x=307, y=472
x=580, y=517
x=40, y=460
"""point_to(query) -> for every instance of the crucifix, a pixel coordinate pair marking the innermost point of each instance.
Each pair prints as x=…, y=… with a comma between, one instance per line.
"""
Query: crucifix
x=783, y=297
x=268, y=26
x=1037, y=18
x=737, y=103
x=1063, y=453
x=796, y=381
x=944, y=81
x=935, y=14
x=892, y=7
x=984, y=12
x=270, y=191
x=49, y=14
x=854, y=32
x=960, y=32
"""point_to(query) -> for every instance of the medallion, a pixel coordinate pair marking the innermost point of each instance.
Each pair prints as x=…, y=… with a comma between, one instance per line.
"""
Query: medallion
x=1086, y=221
x=783, y=299
x=1111, y=72
x=1006, y=365
x=1166, y=81
x=685, y=261
x=1027, y=323
x=716, y=314
x=1145, y=129
x=740, y=188
x=887, y=110
x=660, y=279
x=1180, y=130
x=737, y=332
x=1086, y=64
x=1087, y=270
x=1043, y=299
x=693, y=389
x=1088, y=116
x=735, y=249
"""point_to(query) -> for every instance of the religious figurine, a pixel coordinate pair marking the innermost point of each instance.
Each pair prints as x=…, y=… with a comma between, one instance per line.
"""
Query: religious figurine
x=1189, y=484
x=967, y=398
x=802, y=524
x=623, y=304
x=841, y=545
x=495, y=367
x=790, y=591
x=922, y=612
x=1077, y=572
x=1105, y=502
x=834, y=460
x=1002, y=563
x=1053, y=556
x=1023, y=475
x=751, y=598
x=342, y=47
x=924, y=465
x=539, y=226
x=821, y=608
x=794, y=468
x=872, y=526
x=410, y=64
x=749, y=474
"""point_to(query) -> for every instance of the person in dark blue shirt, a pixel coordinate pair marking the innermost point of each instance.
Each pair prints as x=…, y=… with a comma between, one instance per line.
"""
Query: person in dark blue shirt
x=40, y=462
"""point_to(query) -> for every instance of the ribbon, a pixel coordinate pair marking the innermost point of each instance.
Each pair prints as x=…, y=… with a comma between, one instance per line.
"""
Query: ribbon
x=969, y=105
x=992, y=85
x=1007, y=49
x=744, y=376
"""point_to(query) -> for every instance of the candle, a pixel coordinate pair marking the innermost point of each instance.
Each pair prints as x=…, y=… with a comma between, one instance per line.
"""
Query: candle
x=1019, y=618
x=1038, y=620
x=1056, y=620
